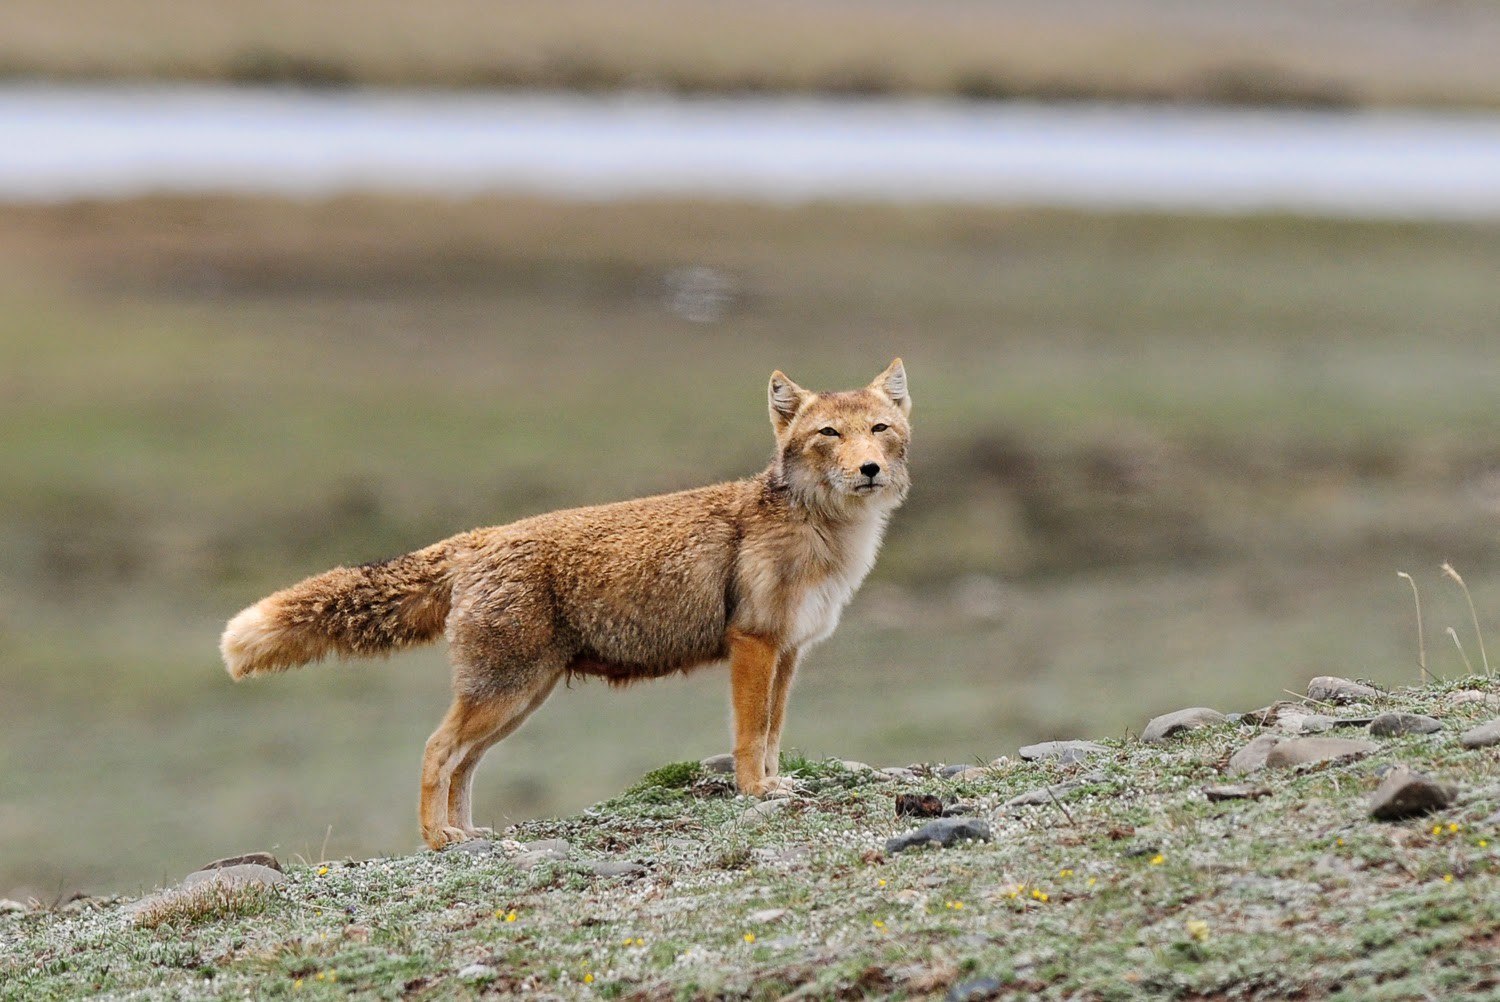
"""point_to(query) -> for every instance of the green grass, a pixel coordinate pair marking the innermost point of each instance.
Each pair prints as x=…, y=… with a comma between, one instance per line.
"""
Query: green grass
x=1136, y=887
x=1157, y=460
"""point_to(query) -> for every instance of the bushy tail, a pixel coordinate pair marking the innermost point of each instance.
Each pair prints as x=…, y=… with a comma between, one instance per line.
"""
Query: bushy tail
x=351, y=611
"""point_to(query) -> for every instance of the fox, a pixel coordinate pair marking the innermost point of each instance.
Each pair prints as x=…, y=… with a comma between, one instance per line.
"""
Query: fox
x=751, y=572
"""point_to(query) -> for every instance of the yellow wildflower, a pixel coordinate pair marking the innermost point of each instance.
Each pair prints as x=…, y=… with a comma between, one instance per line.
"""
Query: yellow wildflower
x=749, y=937
x=1158, y=859
x=297, y=984
x=510, y=916
x=588, y=979
x=1064, y=872
x=1447, y=878
x=1197, y=929
x=322, y=870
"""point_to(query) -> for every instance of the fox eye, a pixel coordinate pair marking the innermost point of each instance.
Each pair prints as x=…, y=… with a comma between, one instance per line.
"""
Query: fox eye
x=829, y=431
x=880, y=427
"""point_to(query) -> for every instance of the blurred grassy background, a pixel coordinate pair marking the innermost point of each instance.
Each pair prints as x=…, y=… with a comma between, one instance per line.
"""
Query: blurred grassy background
x=1326, y=52
x=1159, y=461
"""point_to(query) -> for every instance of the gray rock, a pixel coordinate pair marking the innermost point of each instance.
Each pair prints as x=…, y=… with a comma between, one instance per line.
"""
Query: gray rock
x=942, y=833
x=718, y=763
x=478, y=972
x=1065, y=752
x=611, y=867
x=1465, y=697
x=1482, y=736
x=1252, y=757
x=1332, y=689
x=1041, y=795
x=767, y=915
x=242, y=873
x=854, y=766
x=472, y=847
x=12, y=907
x=1304, y=723
x=1407, y=794
x=898, y=772
x=977, y=990
x=560, y=845
x=1242, y=791
x=258, y=858
x=949, y=771
x=1169, y=724
x=972, y=773
x=763, y=810
x=1391, y=725
x=1306, y=751
x=532, y=860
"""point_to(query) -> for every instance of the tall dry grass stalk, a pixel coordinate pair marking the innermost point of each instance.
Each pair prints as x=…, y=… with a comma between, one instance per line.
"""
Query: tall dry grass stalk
x=1473, y=615
x=1453, y=635
x=1421, y=637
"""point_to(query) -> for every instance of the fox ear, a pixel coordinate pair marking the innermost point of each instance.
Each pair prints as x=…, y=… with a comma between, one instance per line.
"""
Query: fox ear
x=892, y=382
x=786, y=399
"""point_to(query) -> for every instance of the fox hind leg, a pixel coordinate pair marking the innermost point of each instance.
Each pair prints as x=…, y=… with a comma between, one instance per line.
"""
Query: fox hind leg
x=471, y=724
x=461, y=784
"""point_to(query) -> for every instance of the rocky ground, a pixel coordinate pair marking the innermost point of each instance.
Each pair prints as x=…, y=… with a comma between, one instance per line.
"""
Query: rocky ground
x=1333, y=846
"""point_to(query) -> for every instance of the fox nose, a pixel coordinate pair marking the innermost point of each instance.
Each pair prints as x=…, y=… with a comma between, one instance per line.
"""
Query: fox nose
x=870, y=469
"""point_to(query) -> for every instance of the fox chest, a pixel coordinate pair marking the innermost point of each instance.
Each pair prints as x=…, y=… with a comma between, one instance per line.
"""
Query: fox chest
x=814, y=615
x=814, y=610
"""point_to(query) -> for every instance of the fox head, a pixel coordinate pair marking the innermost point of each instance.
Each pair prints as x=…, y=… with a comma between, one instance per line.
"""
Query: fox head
x=844, y=451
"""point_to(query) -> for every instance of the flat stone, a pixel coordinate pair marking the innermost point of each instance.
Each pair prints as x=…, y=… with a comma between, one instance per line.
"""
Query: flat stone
x=472, y=847
x=612, y=867
x=1065, y=752
x=972, y=773
x=1391, y=725
x=1180, y=722
x=854, y=766
x=1407, y=794
x=560, y=845
x=942, y=832
x=532, y=860
x=478, y=972
x=1465, y=697
x=1241, y=791
x=9, y=906
x=949, y=771
x=718, y=763
x=1041, y=795
x=763, y=810
x=1332, y=689
x=1482, y=736
x=1305, y=751
x=977, y=990
x=897, y=772
x=1303, y=723
x=258, y=858
x=1252, y=757
x=241, y=873
x=767, y=915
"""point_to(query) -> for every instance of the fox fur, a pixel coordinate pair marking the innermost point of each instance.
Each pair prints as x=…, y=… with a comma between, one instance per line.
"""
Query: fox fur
x=752, y=572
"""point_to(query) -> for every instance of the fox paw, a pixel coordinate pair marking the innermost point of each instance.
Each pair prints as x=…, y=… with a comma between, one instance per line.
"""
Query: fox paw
x=441, y=838
x=777, y=786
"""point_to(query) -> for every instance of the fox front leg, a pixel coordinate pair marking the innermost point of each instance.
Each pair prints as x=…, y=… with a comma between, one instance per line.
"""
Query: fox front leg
x=752, y=672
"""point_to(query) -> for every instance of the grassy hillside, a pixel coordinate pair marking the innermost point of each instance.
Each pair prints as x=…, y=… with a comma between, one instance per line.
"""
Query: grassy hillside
x=1157, y=460
x=1325, y=53
x=1128, y=883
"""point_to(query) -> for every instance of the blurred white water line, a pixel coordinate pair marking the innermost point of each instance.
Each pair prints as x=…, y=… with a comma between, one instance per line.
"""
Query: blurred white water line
x=62, y=143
